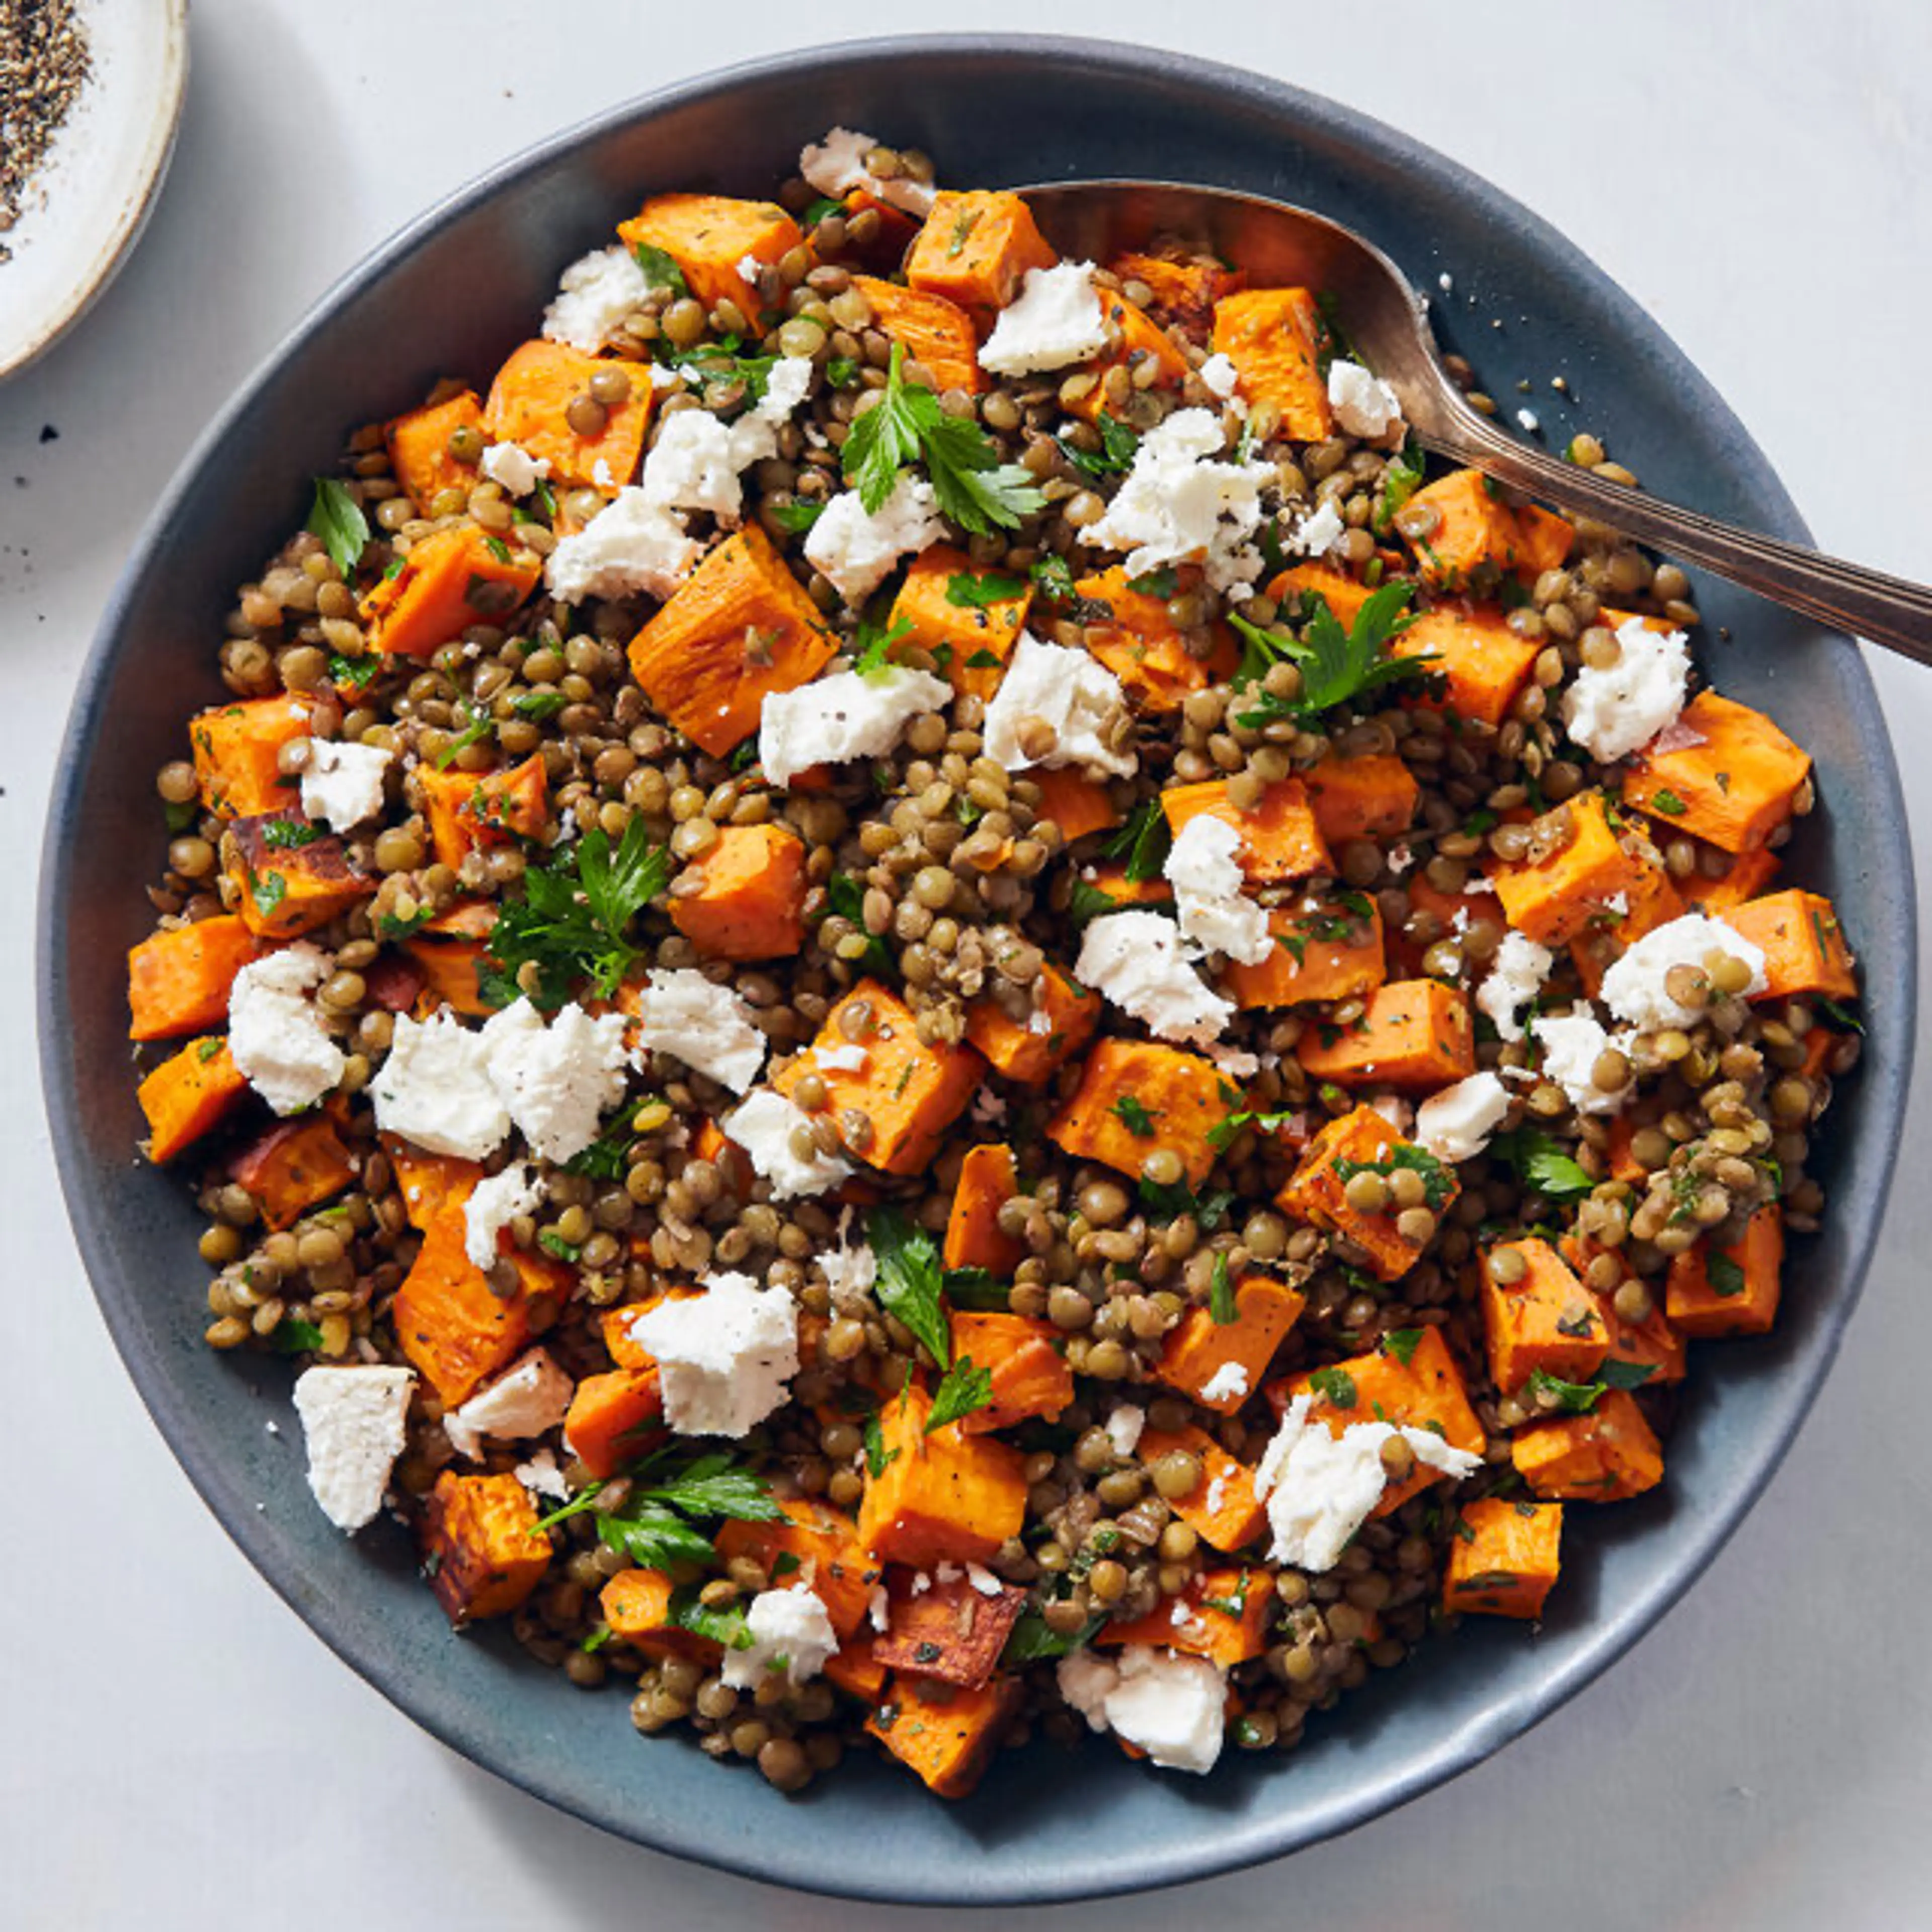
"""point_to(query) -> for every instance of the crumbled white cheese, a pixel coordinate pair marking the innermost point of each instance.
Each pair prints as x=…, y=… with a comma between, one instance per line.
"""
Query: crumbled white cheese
x=434, y=1089
x=1124, y=1425
x=1394, y=1108
x=492, y=1204
x=1215, y=912
x=750, y=268
x=1571, y=1043
x=1455, y=1125
x=1634, y=990
x=763, y=1123
x=707, y=1027
x=983, y=1580
x=853, y=714
x=342, y=784
x=879, y=1608
x=849, y=1058
x=1074, y=693
x=1173, y=1707
x=725, y=1356
x=1318, y=532
x=787, y=385
x=1611, y=713
x=836, y=165
x=1056, y=319
x=1516, y=977
x=557, y=1081
x=1137, y=961
x=632, y=544
x=514, y=467
x=695, y=461
x=601, y=474
x=1364, y=405
x=849, y=1271
x=1237, y=1063
x=598, y=291
x=1319, y=1488
x=1220, y=375
x=1179, y=503
x=1529, y=421
x=1445, y=281
x=530, y=1399
x=855, y=548
x=792, y=1638
x=275, y=1036
x=352, y=1422
x=541, y=1477
x=1228, y=1383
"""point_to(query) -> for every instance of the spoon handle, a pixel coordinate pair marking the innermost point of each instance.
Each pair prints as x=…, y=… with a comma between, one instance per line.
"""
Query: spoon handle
x=1886, y=610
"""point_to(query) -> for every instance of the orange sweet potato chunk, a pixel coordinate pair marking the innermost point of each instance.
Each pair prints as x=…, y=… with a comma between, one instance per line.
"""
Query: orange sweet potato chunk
x=949, y=1630
x=964, y=631
x=1024, y=1050
x=419, y=445
x=1474, y=527
x=188, y=1095
x=1280, y=840
x=930, y=328
x=1300, y=582
x=1544, y=1318
x=1142, y=340
x=1221, y=1364
x=1745, y=877
x=708, y=235
x=282, y=888
x=1503, y=1558
x=178, y=979
x=1608, y=1454
x=1127, y=1085
x=1735, y=1291
x=1314, y=1192
x=988, y=1179
x=1030, y=1377
x=945, y=1497
x=1803, y=943
x=614, y=1418
x=910, y=1093
x=827, y=1556
x=1183, y=291
x=1222, y=1508
x=237, y=750
x=1370, y=797
x=1733, y=789
x=975, y=248
x=1222, y=1615
x=1077, y=804
x=455, y=576
x=1140, y=643
x=486, y=1552
x=740, y=626
x=293, y=1167
x=467, y=811
x=1322, y=951
x=744, y=898
x=1416, y=1035
x=636, y=1605
x=945, y=1734
x=1483, y=664
x=529, y=403
x=1274, y=337
x=1555, y=899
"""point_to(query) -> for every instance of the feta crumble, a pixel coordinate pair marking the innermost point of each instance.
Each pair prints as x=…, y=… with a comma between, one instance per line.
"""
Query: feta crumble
x=1072, y=692
x=275, y=1036
x=855, y=548
x=434, y=1089
x=530, y=1399
x=1571, y=1043
x=792, y=1637
x=707, y=1027
x=342, y=784
x=352, y=1424
x=1056, y=319
x=1516, y=977
x=849, y=1269
x=513, y=467
x=851, y=715
x=1123, y=1427
x=1318, y=532
x=1634, y=989
x=725, y=1357
x=1173, y=1707
x=598, y=291
x=1219, y=375
x=541, y=1477
x=1528, y=420
x=1455, y=1125
x=492, y=1204
x=558, y=1081
x=630, y=544
x=849, y=1058
x=1364, y=405
x=1611, y=713
x=695, y=461
x=763, y=1124
x=1215, y=912
x=836, y=165
x=1179, y=503
x=1137, y=960
x=1228, y=1383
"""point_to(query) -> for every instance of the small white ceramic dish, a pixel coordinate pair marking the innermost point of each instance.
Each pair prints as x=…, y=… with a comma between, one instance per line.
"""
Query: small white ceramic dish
x=85, y=210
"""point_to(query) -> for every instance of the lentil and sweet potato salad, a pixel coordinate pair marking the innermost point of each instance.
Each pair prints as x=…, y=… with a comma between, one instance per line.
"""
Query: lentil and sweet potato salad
x=938, y=1010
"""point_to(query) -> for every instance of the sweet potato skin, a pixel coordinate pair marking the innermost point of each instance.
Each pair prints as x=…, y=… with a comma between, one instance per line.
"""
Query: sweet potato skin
x=744, y=898
x=178, y=979
x=188, y=1095
x=485, y=1553
x=1181, y=1092
x=950, y=1631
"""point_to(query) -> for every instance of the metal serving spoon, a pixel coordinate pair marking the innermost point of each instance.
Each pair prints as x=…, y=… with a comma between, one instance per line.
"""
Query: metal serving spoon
x=1276, y=244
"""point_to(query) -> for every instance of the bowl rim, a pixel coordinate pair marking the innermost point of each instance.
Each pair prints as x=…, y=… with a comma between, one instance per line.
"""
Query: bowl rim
x=1232, y=1844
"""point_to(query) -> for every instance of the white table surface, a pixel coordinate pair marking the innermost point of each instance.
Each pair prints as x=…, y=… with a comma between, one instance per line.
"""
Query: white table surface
x=179, y=1751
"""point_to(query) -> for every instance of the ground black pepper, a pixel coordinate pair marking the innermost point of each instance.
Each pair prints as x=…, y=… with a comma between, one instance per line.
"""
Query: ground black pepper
x=44, y=62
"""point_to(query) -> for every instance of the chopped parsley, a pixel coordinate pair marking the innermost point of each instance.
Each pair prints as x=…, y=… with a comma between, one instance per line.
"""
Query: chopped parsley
x=910, y=1285
x=1335, y=1386
x=1437, y=1184
x=1725, y=1277
x=1569, y=1398
x=1338, y=667
x=963, y=1390
x=1144, y=841
x=1221, y=1292
x=1115, y=456
x=975, y=593
x=1542, y=1164
x=656, y=1523
x=1134, y=1116
x=337, y=518
x=661, y=272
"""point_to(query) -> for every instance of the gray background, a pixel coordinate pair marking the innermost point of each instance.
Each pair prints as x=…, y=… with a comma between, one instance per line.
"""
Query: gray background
x=177, y=1747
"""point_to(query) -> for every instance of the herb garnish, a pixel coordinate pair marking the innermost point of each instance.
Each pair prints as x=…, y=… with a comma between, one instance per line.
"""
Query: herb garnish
x=337, y=519
x=909, y=1286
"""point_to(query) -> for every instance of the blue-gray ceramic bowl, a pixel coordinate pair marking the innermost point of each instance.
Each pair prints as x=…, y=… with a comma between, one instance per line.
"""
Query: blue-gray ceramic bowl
x=452, y=293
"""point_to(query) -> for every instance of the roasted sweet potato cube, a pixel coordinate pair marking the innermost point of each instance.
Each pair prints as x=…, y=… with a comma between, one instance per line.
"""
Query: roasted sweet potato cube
x=1183, y=290
x=1433, y=915
x=1544, y=540
x=1538, y=1316
x=1555, y=898
x=1483, y=664
x=1652, y=1344
x=1323, y=950
x=1373, y=796
x=1077, y=804
x=949, y=1630
x=1026, y=1051
x=1744, y=878
x=988, y=1179
x=1315, y=1192
x=294, y=1167
x=1601, y=1457
x=454, y=578
x=288, y=879
x=740, y=626
x=1031, y=1376
x=1134, y=1097
x=1733, y=788
x=636, y=1606
x=1734, y=1290
x=911, y=1093
x=419, y=452
x=1416, y=1035
x=179, y=979
x=1108, y=877
x=945, y=1497
x=815, y=1545
x=427, y=1182
x=188, y=1094
x=1140, y=643
x=1503, y=1558
x=1803, y=943
x=1279, y=838
x=744, y=898
x=1222, y=1615
x=853, y=1669
x=1473, y=526
x=1275, y=338
x=449, y=974
x=614, y=1418
x=238, y=749
x=933, y=331
x=975, y=248
x=468, y=811
x=1300, y=583
x=946, y=1735
x=709, y=236
x=484, y=1552
x=953, y=611
x=1221, y=1364
x=1142, y=340
x=529, y=404
x=1610, y=934
x=1222, y=1508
